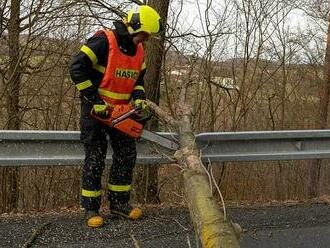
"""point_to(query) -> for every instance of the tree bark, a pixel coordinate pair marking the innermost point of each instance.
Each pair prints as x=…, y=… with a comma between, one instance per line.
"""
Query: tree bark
x=212, y=227
x=13, y=78
x=14, y=75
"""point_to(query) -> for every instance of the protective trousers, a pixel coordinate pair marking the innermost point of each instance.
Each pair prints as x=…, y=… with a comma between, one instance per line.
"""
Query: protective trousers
x=94, y=136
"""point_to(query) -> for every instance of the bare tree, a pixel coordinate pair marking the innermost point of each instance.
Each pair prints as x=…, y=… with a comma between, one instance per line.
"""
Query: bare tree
x=13, y=78
x=318, y=11
x=29, y=35
x=148, y=175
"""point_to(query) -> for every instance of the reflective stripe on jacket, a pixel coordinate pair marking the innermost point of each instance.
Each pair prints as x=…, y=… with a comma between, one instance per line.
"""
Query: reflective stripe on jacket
x=121, y=72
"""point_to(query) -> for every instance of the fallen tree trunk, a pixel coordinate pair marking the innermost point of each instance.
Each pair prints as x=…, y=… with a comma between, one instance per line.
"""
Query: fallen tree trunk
x=213, y=228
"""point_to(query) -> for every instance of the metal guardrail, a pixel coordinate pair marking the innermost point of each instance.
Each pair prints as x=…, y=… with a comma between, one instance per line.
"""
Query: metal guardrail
x=26, y=148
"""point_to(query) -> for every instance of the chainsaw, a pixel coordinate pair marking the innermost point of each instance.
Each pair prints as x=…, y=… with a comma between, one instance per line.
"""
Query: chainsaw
x=128, y=119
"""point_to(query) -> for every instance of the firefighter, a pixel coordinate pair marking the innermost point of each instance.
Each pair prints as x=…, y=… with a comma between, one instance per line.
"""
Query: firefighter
x=109, y=70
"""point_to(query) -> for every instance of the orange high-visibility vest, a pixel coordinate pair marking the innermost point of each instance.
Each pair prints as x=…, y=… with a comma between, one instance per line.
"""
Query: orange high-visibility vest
x=121, y=72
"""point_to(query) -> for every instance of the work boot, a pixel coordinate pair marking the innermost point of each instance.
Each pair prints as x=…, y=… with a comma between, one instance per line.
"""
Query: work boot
x=126, y=210
x=93, y=219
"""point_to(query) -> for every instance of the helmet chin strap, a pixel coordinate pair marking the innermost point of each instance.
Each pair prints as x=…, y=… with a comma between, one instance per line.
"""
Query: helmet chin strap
x=129, y=28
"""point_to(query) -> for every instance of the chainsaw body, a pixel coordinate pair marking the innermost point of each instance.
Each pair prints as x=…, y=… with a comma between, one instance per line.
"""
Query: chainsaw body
x=125, y=118
x=128, y=119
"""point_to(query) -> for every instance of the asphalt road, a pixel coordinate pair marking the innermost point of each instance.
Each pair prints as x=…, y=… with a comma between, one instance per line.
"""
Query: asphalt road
x=303, y=226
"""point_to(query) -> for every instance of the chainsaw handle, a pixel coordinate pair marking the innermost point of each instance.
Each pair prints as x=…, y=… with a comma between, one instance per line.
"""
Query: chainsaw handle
x=143, y=118
x=111, y=120
x=100, y=118
x=109, y=108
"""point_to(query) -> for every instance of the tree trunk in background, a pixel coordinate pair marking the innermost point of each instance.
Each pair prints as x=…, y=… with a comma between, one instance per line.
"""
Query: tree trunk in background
x=315, y=165
x=9, y=176
x=14, y=74
x=148, y=175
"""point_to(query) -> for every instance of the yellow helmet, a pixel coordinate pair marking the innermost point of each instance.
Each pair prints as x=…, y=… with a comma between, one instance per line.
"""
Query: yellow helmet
x=143, y=19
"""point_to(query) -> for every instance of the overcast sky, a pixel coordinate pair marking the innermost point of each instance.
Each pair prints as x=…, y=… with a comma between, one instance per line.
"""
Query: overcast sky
x=191, y=19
